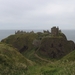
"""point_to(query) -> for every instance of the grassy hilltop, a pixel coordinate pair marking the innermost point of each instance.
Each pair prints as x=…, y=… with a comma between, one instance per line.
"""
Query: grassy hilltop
x=37, y=54
x=22, y=42
x=11, y=61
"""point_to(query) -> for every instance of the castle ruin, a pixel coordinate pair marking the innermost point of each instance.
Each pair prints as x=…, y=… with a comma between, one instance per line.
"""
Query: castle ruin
x=54, y=30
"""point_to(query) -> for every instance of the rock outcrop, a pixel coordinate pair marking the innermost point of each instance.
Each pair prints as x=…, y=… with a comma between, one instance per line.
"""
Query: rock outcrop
x=52, y=44
x=56, y=45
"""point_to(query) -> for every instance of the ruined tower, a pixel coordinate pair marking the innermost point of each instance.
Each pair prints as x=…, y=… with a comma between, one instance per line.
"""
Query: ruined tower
x=54, y=30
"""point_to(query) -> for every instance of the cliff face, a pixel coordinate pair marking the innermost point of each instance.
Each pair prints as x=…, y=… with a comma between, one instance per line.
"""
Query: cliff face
x=56, y=47
x=22, y=42
x=52, y=44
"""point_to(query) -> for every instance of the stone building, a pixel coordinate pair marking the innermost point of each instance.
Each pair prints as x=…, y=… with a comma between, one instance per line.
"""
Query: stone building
x=54, y=30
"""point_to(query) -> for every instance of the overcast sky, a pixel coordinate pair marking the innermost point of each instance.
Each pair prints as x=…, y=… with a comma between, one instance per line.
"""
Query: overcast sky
x=37, y=14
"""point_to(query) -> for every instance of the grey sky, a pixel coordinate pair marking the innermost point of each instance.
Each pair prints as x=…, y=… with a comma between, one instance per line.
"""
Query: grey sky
x=37, y=14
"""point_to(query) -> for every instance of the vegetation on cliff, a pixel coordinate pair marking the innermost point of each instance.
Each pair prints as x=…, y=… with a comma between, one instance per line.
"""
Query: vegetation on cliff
x=11, y=61
x=55, y=47
x=50, y=45
x=22, y=42
x=41, y=53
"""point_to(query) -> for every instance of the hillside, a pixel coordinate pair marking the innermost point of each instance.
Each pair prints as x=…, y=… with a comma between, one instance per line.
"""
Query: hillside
x=57, y=67
x=11, y=61
x=70, y=56
x=22, y=42
x=42, y=66
x=55, y=47
x=52, y=44
x=48, y=53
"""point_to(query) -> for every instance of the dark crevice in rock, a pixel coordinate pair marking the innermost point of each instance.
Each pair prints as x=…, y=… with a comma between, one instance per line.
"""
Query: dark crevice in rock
x=53, y=54
x=60, y=45
x=52, y=45
x=24, y=48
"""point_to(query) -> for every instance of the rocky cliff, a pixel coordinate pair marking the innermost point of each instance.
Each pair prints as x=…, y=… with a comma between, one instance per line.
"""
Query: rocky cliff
x=56, y=46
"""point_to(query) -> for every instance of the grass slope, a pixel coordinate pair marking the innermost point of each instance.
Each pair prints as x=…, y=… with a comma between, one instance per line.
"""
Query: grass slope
x=16, y=64
x=63, y=66
x=21, y=41
x=11, y=61
x=59, y=67
x=70, y=56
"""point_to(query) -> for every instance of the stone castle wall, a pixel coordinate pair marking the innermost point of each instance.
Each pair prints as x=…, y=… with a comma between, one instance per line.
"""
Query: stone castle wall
x=55, y=31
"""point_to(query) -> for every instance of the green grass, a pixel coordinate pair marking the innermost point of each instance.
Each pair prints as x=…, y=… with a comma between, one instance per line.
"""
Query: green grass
x=56, y=68
x=20, y=40
x=11, y=61
x=14, y=63
x=69, y=57
x=64, y=66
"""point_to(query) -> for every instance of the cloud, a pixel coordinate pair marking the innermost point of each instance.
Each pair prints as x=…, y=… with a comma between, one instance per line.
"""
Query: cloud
x=37, y=14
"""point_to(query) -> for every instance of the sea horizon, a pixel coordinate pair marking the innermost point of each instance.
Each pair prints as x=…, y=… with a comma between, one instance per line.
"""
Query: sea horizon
x=5, y=33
